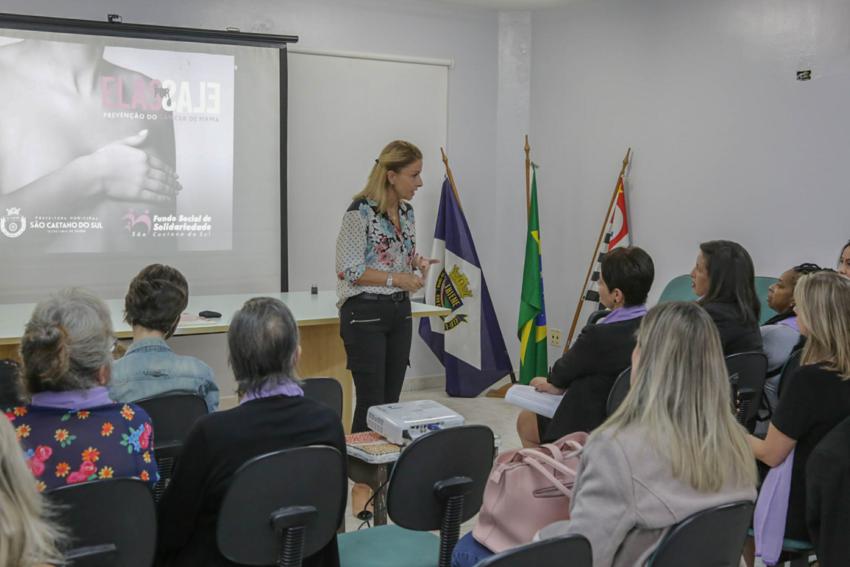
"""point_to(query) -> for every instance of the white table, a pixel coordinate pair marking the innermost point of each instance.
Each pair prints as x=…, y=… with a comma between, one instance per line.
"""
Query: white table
x=317, y=316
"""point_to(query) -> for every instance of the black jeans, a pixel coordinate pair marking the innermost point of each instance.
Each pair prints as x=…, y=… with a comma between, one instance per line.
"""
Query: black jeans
x=377, y=336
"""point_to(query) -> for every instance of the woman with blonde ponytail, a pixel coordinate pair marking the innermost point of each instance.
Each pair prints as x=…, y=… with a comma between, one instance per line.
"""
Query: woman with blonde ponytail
x=672, y=448
x=378, y=268
x=27, y=537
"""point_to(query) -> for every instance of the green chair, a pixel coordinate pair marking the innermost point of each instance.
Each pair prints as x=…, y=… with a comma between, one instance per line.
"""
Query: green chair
x=762, y=283
x=437, y=483
x=795, y=552
x=679, y=289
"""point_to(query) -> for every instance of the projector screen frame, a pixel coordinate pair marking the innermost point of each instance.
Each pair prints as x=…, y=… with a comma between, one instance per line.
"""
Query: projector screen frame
x=188, y=35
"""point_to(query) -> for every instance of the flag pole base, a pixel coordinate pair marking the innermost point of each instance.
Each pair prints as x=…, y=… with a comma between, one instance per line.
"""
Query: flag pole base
x=499, y=392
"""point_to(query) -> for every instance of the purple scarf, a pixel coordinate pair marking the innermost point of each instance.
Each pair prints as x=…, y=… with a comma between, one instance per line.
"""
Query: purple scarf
x=624, y=314
x=772, y=510
x=73, y=399
x=288, y=388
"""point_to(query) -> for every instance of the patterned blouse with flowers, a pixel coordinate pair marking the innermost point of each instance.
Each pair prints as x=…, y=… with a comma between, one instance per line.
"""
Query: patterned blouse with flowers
x=66, y=446
x=369, y=239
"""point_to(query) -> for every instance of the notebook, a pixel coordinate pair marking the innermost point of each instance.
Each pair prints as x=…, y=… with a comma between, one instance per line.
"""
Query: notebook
x=528, y=398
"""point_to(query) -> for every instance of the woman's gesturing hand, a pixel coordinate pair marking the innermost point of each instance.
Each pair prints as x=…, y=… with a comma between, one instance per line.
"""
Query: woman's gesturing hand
x=408, y=282
x=423, y=264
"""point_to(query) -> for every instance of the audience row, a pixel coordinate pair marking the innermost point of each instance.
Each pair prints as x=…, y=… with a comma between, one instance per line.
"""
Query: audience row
x=672, y=448
x=812, y=317
x=73, y=431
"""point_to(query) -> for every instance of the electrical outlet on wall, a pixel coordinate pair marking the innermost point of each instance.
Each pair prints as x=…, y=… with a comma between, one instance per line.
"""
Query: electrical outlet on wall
x=555, y=337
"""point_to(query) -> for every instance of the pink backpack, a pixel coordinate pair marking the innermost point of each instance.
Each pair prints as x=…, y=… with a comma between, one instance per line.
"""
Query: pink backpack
x=527, y=490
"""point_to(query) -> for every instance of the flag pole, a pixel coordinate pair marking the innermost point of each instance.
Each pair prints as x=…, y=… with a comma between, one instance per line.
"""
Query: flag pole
x=451, y=177
x=593, y=260
x=527, y=175
x=500, y=392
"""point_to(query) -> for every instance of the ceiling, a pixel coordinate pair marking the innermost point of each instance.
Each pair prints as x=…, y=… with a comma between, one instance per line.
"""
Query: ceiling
x=510, y=4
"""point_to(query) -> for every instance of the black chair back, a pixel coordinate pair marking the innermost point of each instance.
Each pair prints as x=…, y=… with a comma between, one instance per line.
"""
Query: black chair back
x=111, y=523
x=173, y=416
x=747, y=372
x=791, y=365
x=438, y=482
x=572, y=550
x=710, y=538
x=619, y=391
x=325, y=390
x=282, y=506
x=828, y=496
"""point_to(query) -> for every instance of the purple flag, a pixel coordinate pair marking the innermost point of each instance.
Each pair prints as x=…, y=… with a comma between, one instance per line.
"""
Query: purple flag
x=469, y=341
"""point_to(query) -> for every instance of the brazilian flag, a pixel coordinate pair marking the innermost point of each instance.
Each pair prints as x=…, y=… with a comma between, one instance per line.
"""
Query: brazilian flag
x=532, y=311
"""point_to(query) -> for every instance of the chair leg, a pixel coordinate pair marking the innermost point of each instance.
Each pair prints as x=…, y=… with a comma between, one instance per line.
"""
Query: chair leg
x=292, y=547
x=165, y=467
x=450, y=528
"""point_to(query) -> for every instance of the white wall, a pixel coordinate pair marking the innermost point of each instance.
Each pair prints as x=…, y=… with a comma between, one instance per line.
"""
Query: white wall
x=500, y=223
x=469, y=36
x=727, y=144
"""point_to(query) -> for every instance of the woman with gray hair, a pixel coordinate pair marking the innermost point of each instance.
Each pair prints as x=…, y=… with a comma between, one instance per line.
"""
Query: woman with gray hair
x=71, y=431
x=272, y=414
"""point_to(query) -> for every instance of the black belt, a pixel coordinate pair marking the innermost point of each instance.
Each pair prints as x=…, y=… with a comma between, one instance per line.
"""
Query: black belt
x=398, y=296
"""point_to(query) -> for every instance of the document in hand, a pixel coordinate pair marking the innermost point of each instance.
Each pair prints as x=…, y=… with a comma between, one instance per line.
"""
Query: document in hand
x=528, y=398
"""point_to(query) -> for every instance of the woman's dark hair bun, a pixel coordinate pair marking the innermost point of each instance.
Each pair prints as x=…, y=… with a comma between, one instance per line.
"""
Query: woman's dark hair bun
x=46, y=353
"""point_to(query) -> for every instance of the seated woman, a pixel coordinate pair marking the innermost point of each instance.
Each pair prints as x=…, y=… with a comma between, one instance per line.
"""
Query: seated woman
x=71, y=431
x=817, y=396
x=600, y=353
x=844, y=261
x=724, y=280
x=27, y=537
x=11, y=393
x=671, y=449
x=781, y=334
x=273, y=414
x=156, y=299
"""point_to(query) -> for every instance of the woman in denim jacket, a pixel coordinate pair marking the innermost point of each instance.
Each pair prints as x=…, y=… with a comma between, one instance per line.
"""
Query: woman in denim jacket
x=156, y=299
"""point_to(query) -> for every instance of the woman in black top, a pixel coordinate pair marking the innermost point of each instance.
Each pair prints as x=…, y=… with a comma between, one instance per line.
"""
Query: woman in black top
x=273, y=414
x=817, y=397
x=724, y=280
x=601, y=352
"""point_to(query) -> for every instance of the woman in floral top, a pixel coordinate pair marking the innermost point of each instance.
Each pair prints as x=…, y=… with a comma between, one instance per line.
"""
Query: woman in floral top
x=72, y=432
x=378, y=267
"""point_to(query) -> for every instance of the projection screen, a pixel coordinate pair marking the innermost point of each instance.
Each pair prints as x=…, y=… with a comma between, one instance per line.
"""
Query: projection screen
x=123, y=145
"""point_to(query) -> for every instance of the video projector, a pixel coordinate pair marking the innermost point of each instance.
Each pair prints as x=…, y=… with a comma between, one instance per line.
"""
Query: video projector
x=409, y=420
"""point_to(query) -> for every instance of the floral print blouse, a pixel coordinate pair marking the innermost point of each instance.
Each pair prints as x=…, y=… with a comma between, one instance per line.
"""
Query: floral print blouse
x=369, y=239
x=66, y=446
